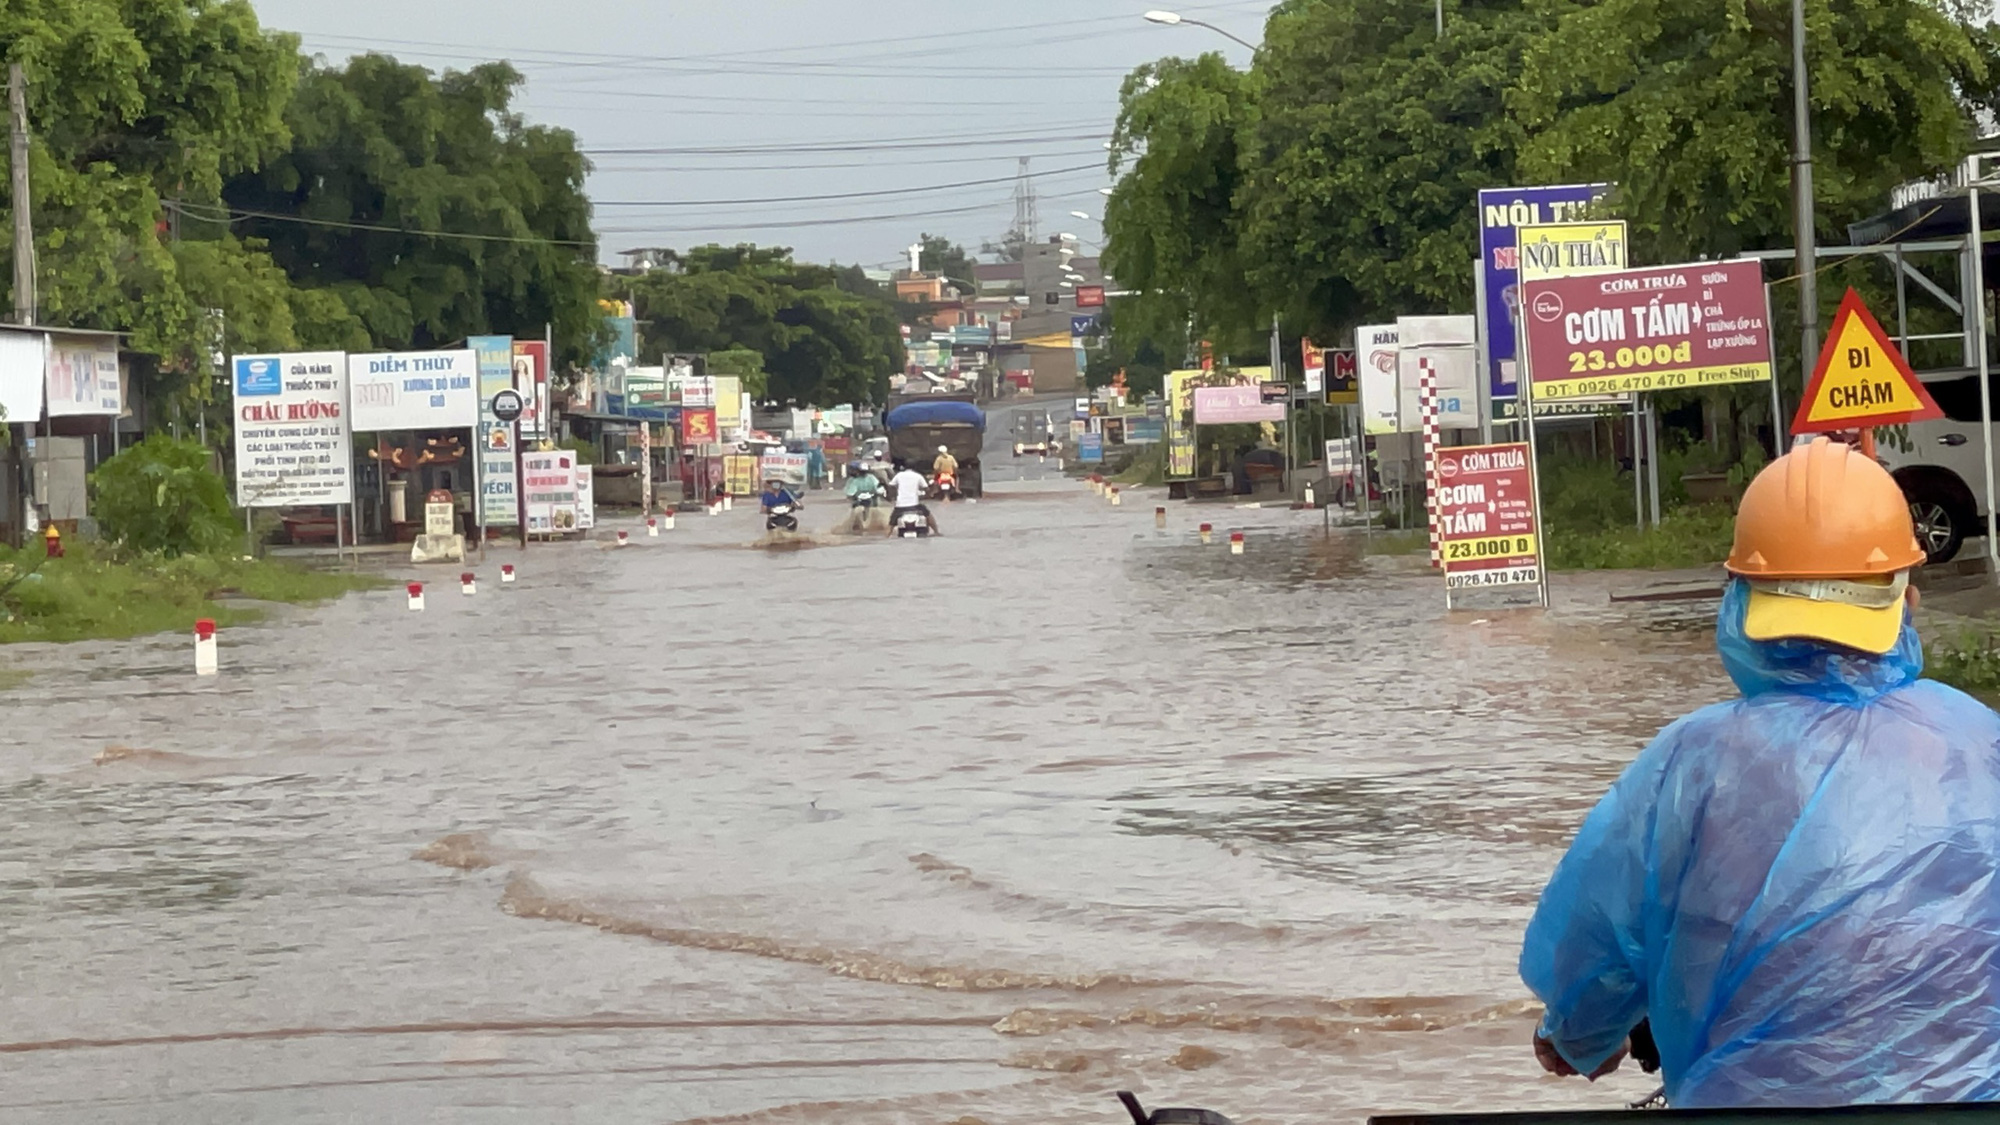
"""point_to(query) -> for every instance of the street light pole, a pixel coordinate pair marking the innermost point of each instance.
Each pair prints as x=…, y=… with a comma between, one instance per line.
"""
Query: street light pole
x=1175, y=19
x=1802, y=200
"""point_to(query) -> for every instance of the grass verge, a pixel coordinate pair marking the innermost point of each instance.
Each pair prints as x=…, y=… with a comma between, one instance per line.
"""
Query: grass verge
x=1969, y=662
x=1686, y=537
x=95, y=594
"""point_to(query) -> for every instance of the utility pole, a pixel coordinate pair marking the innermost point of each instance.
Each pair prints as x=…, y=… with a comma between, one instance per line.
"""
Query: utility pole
x=1802, y=200
x=24, y=228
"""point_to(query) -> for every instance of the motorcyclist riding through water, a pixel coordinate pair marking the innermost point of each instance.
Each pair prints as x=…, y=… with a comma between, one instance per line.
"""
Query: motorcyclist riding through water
x=1795, y=889
x=944, y=468
x=864, y=491
x=908, y=485
x=779, y=507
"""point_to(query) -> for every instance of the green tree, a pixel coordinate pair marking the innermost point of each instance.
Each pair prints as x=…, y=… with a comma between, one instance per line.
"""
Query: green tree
x=941, y=255
x=825, y=335
x=429, y=208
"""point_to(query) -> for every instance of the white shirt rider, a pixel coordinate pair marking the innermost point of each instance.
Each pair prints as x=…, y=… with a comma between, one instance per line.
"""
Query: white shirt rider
x=909, y=485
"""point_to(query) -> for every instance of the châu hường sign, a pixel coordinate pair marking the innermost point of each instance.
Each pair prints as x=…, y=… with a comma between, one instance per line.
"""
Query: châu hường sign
x=291, y=431
x=1653, y=329
x=1861, y=378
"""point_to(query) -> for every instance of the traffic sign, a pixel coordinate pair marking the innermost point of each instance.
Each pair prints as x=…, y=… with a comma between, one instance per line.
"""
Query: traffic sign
x=507, y=405
x=1861, y=379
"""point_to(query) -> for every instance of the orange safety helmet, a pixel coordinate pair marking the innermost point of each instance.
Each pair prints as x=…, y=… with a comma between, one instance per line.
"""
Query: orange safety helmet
x=1823, y=511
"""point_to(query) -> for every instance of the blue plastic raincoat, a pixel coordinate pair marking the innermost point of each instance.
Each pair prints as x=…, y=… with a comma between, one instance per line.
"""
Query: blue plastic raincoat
x=1797, y=887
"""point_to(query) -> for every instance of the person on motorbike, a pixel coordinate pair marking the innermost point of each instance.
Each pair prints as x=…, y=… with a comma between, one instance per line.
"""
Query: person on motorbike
x=776, y=495
x=908, y=485
x=944, y=469
x=1795, y=890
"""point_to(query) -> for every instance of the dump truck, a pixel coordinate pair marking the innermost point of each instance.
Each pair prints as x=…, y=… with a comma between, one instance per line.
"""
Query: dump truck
x=918, y=424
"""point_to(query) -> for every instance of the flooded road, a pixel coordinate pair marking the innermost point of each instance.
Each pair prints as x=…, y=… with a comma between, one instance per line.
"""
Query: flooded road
x=978, y=828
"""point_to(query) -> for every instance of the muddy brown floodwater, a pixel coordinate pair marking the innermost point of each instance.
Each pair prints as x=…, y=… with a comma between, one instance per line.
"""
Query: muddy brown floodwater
x=976, y=829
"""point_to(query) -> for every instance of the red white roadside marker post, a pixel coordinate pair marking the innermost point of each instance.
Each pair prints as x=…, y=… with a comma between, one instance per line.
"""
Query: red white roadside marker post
x=205, y=661
x=466, y=585
x=506, y=573
x=652, y=529
x=1207, y=534
x=622, y=539
x=416, y=591
x=1235, y=542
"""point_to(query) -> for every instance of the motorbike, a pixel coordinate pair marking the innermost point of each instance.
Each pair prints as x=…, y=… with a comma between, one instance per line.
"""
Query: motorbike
x=859, y=508
x=946, y=486
x=782, y=517
x=913, y=525
x=1169, y=1116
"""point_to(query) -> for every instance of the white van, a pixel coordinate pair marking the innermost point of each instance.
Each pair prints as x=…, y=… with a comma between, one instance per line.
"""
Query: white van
x=1941, y=463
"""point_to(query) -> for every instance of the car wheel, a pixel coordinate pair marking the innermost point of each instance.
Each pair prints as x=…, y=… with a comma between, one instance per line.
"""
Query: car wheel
x=1938, y=530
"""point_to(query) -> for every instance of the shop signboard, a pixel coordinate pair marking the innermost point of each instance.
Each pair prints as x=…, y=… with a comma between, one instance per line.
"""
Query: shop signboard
x=1090, y=449
x=548, y=482
x=1375, y=359
x=83, y=377
x=1501, y=210
x=1661, y=328
x=729, y=416
x=698, y=390
x=586, y=498
x=499, y=505
x=1234, y=404
x=645, y=389
x=1180, y=423
x=1486, y=517
x=1090, y=296
x=292, y=443
x=414, y=391
x=1114, y=431
x=1144, y=431
x=1549, y=250
x=531, y=378
x=1342, y=386
x=698, y=426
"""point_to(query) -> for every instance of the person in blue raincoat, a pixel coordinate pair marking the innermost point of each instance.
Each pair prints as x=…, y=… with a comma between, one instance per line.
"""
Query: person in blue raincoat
x=1796, y=889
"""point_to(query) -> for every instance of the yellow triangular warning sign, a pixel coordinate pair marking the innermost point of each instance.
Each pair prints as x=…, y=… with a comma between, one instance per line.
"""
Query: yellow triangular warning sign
x=1861, y=379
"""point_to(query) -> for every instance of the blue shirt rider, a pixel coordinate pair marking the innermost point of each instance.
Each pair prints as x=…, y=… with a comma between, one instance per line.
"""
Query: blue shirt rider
x=1792, y=894
x=775, y=494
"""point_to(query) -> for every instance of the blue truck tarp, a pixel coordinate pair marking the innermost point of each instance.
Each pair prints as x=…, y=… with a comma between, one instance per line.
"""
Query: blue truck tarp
x=949, y=413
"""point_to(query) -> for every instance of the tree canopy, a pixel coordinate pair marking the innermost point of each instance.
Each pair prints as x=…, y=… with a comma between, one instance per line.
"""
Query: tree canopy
x=1334, y=181
x=826, y=335
x=158, y=126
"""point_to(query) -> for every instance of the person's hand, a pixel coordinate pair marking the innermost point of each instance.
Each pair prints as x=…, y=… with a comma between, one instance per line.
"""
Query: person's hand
x=1553, y=1062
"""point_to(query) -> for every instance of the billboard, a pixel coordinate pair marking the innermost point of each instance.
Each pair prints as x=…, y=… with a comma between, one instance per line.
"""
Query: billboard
x=1180, y=423
x=1375, y=362
x=82, y=375
x=548, y=482
x=1661, y=328
x=1447, y=345
x=499, y=503
x=291, y=430
x=1239, y=403
x=1486, y=516
x=1500, y=211
x=414, y=391
x=531, y=378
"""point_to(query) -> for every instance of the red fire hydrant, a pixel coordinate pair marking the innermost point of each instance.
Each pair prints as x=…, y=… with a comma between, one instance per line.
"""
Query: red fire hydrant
x=52, y=539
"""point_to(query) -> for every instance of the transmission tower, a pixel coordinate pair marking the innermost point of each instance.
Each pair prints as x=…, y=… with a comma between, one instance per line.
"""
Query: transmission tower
x=1024, y=204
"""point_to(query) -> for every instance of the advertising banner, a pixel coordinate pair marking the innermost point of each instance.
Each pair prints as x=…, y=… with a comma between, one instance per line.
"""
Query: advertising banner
x=414, y=391
x=645, y=389
x=531, y=378
x=787, y=467
x=1661, y=328
x=1315, y=367
x=698, y=390
x=291, y=430
x=1447, y=345
x=698, y=426
x=1343, y=387
x=499, y=504
x=1144, y=431
x=1376, y=366
x=729, y=416
x=1180, y=423
x=83, y=377
x=586, y=498
x=1486, y=516
x=1090, y=449
x=1241, y=403
x=1500, y=211
x=739, y=474
x=548, y=481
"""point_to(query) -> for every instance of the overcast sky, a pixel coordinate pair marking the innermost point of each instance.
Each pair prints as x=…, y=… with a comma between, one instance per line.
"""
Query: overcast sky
x=691, y=109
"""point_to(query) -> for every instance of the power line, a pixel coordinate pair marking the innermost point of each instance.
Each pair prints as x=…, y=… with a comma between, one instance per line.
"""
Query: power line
x=945, y=140
x=233, y=214
x=802, y=223
x=681, y=168
x=840, y=195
